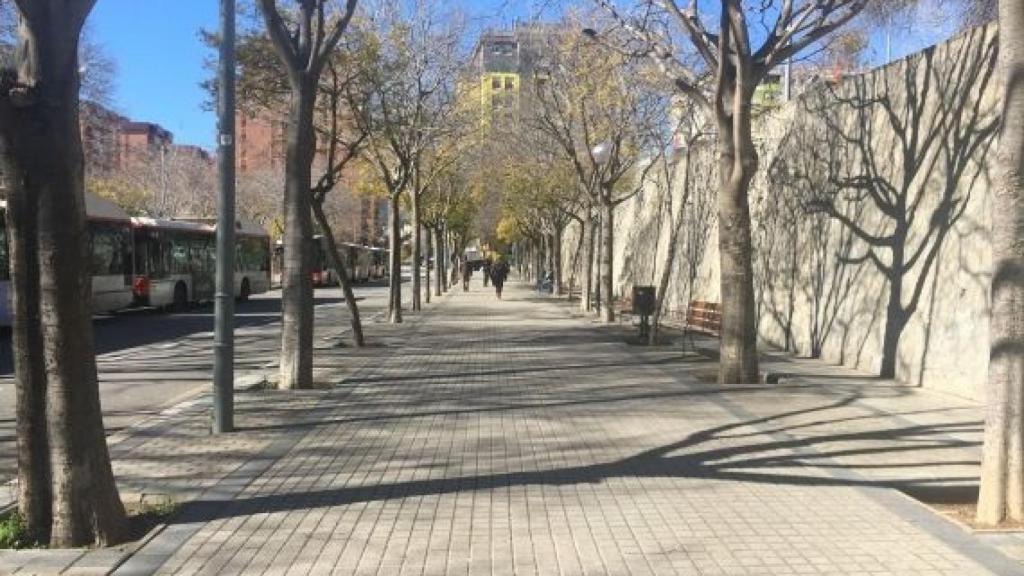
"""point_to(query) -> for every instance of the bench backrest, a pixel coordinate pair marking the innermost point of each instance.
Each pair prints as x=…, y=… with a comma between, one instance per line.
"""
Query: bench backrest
x=706, y=316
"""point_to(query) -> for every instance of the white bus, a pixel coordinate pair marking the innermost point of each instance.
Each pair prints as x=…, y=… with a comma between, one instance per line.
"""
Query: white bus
x=110, y=257
x=365, y=263
x=175, y=261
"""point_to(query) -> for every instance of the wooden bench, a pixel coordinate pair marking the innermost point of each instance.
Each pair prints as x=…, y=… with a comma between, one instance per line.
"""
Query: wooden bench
x=699, y=317
x=703, y=318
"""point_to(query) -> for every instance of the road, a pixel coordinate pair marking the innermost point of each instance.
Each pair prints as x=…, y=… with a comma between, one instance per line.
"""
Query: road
x=149, y=361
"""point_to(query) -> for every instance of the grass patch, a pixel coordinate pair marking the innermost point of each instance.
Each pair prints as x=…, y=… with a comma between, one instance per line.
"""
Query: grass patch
x=143, y=516
x=13, y=533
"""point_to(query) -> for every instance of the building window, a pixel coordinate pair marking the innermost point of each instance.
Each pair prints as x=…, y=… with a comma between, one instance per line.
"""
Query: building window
x=509, y=83
x=496, y=83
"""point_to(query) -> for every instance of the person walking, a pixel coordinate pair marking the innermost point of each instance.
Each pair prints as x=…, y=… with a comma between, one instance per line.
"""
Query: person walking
x=467, y=273
x=499, y=272
x=488, y=262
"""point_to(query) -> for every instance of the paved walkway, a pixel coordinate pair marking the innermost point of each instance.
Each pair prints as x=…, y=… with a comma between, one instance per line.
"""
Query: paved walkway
x=509, y=437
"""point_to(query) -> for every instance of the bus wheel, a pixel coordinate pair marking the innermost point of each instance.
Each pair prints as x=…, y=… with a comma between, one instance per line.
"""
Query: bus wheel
x=180, y=297
x=244, y=292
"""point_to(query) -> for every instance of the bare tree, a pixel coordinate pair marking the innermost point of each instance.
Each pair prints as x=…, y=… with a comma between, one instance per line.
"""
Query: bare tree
x=602, y=123
x=304, y=35
x=1001, y=495
x=688, y=46
x=410, y=93
x=677, y=217
x=41, y=148
x=162, y=181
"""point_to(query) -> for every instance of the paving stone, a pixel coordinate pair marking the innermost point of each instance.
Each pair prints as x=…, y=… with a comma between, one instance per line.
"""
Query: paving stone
x=508, y=437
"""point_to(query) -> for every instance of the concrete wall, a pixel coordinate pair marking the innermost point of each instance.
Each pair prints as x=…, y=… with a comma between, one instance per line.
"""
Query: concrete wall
x=879, y=181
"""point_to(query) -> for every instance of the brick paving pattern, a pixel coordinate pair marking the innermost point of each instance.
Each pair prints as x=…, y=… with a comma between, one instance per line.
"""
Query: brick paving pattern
x=509, y=437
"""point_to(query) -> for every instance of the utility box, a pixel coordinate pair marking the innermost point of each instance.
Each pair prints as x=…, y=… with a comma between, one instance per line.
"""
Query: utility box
x=643, y=300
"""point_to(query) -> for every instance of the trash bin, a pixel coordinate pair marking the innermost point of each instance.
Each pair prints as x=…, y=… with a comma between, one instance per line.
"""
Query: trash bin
x=643, y=300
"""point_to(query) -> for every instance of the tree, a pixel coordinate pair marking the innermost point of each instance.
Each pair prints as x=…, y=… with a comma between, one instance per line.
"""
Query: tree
x=304, y=38
x=264, y=91
x=41, y=150
x=676, y=216
x=448, y=208
x=409, y=94
x=592, y=102
x=721, y=47
x=163, y=181
x=342, y=148
x=1001, y=494
x=540, y=196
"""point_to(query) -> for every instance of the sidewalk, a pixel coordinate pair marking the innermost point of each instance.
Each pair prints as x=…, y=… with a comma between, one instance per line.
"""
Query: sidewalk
x=507, y=437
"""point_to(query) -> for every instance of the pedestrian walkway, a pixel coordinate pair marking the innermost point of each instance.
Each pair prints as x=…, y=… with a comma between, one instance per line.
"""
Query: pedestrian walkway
x=510, y=437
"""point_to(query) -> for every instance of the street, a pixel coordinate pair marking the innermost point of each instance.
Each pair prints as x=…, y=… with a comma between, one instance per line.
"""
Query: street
x=149, y=360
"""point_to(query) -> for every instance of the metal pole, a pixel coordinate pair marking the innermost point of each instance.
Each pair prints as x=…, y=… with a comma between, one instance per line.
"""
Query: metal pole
x=224, y=300
x=787, y=81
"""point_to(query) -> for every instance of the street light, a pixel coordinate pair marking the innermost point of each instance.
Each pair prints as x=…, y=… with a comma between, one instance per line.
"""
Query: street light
x=602, y=153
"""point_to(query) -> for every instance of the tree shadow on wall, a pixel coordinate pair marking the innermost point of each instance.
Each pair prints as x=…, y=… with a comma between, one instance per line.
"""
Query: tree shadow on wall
x=901, y=156
x=799, y=246
x=640, y=258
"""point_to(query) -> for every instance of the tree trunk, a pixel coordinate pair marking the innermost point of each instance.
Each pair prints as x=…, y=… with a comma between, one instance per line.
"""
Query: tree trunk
x=738, y=163
x=595, y=267
x=339, y=264
x=895, y=315
x=548, y=244
x=439, y=262
x=607, y=264
x=34, y=495
x=538, y=259
x=587, y=273
x=41, y=141
x=395, y=288
x=1001, y=494
x=428, y=251
x=417, y=248
x=453, y=275
x=676, y=221
x=296, y=282
x=556, y=246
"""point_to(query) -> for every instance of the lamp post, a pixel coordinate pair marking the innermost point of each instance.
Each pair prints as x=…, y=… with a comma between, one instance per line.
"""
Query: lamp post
x=602, y=154
x=224, y=298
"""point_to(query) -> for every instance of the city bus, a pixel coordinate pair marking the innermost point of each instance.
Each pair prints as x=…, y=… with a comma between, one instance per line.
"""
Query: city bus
x=110, y=260
x=175, y=261
x=154, y=262
x=365, y=263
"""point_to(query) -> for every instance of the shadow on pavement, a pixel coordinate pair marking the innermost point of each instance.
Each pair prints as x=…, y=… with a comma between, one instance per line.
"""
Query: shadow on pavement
x=144, y=327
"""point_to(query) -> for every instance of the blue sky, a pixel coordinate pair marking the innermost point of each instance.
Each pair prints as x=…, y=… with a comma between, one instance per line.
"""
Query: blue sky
x=159, y=57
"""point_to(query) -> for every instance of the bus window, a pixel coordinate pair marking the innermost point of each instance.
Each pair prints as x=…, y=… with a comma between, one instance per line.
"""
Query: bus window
x=202, y=255
x=252, y=255
x=179, y=258
x=110, y=255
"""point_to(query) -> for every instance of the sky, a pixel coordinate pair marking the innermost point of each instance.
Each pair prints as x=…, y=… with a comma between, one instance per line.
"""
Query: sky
x=160, y=58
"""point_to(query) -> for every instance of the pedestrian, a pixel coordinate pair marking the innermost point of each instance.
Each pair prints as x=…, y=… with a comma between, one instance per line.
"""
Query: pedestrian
x=467, y=273
x=488, y=262
x=499, y=272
